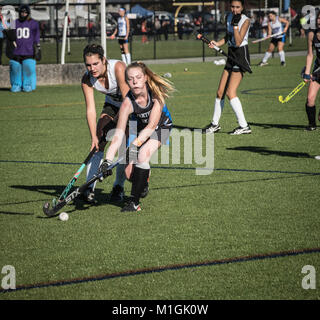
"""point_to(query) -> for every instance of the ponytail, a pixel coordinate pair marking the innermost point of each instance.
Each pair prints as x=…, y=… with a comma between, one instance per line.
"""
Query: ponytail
x=159, y=86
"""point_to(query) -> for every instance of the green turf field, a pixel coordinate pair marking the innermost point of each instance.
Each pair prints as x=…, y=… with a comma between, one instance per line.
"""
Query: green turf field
x=188, y=242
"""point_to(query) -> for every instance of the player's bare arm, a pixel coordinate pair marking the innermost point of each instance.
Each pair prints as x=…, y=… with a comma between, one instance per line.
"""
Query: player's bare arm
x=154, y=119
x=125, y=110
x=240, y=34
x=90, y=113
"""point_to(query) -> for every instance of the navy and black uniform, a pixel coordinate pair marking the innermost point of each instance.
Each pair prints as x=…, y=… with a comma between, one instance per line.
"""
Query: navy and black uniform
x=142, y=115
x=316, y=46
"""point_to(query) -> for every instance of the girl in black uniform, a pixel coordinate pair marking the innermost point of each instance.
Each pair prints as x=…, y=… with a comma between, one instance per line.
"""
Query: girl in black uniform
x=237, y=38
x=313, y=43
x=146, y=102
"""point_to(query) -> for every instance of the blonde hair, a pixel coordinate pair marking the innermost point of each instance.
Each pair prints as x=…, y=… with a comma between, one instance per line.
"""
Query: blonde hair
x=160, y=87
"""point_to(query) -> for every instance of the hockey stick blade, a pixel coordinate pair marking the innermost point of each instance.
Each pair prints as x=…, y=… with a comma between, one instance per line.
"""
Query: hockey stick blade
x=75, y=194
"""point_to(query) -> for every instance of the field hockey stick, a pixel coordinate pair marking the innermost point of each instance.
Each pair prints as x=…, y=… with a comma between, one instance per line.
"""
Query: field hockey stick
x=267, y=37
x=297, y=88
x=292, y=93
x=76, y=175
x=207, y=41
x=49, y=212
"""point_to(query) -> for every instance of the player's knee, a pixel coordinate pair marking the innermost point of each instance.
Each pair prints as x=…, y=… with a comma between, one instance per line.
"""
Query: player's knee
x=311, y=100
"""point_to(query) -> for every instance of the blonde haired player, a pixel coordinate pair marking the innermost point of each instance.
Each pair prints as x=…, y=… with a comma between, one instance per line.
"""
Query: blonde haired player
x=146, y=103
x=276, y=25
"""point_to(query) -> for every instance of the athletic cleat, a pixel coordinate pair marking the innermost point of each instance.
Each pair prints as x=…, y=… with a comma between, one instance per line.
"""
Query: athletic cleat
x=261, y=64
x=310, y=128
x=241, y=130
x=131, y=207
x=212, y=128
x=117, y=194
x=317, y=157
x=145, y=191
x=283, y=63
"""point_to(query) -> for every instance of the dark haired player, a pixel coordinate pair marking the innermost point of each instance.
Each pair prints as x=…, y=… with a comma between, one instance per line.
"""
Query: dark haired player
x=237, y=38
x=313, y=44
x=107, y=77
x=27, y=51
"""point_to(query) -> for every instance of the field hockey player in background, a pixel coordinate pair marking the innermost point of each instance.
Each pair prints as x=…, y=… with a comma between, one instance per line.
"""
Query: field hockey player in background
x=276, y=25
x=122, y=32
x=146, y=103
x=237, y=39
x=313, y=77
x=108, y=77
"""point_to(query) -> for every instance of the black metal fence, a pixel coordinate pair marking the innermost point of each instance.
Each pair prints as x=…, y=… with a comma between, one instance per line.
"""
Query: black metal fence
x=156, y=31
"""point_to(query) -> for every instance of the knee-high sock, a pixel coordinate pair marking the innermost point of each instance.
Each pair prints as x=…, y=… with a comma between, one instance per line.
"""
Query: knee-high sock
x=311, y=114
x=15, y=76
x=120, y=175
x=128, y=58
x=237, y=108
x=93, y=167
x=267, y=55
x=123, y=58
x=218, y=107
x=139, y=180
x=282, y=56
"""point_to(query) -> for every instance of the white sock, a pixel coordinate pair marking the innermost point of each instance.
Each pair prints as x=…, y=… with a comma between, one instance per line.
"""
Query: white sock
x=267, y=55
x=93, y=167
x=120, y=175
x=128, y=58
x=218, y=107
x=282, y=56
x=123, y=57
x=237, y=108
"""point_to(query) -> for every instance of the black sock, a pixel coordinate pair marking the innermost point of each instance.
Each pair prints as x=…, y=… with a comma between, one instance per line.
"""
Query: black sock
x=311, y=113
x=139, y=181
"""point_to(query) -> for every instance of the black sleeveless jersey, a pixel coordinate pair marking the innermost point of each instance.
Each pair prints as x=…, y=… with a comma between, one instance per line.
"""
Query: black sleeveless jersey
x=142, y=114
x=316, y=45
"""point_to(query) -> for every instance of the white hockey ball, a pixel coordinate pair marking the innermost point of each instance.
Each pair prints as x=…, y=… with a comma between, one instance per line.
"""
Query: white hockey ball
x=63, y=216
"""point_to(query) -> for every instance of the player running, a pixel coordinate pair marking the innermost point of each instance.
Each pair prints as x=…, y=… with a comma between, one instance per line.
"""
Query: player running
x=237, y=38
x=276, y=25
x=313, y=44
x=107, y=77
x=122, y=32
x=146, y=102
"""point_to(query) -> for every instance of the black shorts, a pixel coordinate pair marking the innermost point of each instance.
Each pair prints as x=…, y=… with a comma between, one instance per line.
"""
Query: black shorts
x=110, y=110
x=275, y=41
x=123, y=41
x=240, y=54
x=316, y=75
